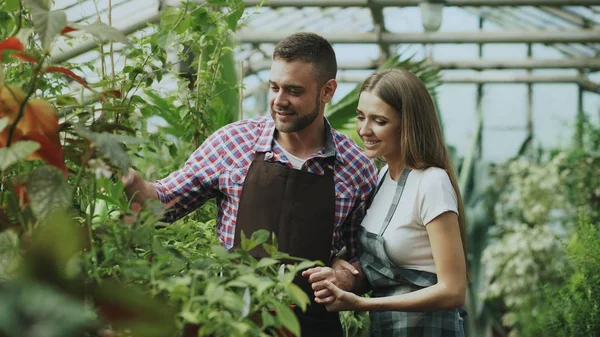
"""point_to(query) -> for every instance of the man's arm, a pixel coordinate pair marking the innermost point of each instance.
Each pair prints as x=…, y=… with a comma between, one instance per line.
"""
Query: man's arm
x=190, y=186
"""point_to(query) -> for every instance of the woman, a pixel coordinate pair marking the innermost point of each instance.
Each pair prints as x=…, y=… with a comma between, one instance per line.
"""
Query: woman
x=412, y=239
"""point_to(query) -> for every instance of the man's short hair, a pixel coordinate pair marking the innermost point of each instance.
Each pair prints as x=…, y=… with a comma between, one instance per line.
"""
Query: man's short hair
x=311, y=48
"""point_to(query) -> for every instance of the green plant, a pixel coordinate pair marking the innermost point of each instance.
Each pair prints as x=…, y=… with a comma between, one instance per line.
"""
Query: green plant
x=68, y=233
x=571, y=308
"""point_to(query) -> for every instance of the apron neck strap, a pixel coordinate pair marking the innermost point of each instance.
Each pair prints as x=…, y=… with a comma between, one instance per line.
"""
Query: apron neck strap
x=396, y=200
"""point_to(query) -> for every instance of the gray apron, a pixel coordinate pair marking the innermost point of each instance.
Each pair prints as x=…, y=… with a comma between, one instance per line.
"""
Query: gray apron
x=387, y=279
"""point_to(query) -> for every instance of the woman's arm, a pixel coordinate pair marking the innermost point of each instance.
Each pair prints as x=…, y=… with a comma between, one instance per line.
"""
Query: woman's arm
x=448, y=293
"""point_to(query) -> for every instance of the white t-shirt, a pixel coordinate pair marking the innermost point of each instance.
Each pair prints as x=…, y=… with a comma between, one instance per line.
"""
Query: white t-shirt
x=427, y=194
x=296, y=162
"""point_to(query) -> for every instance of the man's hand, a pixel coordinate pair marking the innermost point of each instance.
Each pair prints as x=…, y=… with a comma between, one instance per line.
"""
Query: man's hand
x=317, y=277
x=137, y=188
x=130, y=178
x=342, y=274
x=342, y=300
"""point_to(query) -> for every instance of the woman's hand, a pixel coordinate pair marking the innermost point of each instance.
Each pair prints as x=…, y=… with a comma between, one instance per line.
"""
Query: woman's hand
x=340, y=300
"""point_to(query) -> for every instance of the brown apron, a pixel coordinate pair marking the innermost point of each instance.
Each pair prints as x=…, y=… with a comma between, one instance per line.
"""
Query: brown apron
x=299, y=207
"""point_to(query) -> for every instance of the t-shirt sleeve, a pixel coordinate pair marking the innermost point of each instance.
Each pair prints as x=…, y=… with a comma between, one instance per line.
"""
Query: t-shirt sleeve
x=436, y=195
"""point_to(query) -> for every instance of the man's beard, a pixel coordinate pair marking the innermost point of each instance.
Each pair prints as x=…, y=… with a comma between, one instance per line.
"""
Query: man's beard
x=300, y=122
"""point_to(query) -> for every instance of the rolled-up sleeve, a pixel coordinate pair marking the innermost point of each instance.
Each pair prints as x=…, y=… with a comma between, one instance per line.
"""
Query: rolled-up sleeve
x=197, y=181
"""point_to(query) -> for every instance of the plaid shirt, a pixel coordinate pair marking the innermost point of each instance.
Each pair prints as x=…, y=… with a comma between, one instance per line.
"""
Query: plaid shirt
x=219, y=166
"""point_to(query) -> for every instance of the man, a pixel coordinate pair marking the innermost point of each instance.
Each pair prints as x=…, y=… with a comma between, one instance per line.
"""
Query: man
x=289, y=173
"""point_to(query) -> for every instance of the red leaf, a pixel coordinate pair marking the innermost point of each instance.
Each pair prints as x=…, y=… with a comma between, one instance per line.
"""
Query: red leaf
x=113, y=93
x=25, y=57
x=68, y=29
x=69, y=73
x=50, y=150
x=11, y=43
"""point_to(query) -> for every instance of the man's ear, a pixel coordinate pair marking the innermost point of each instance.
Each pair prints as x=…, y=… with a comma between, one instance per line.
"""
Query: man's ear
x=327, y=90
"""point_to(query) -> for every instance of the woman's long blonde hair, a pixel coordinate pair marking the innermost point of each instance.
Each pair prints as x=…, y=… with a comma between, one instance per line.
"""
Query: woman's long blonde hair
x=421, y=141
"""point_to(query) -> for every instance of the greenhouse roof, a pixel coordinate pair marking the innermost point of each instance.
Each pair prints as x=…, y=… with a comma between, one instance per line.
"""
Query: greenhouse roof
x=571, y=27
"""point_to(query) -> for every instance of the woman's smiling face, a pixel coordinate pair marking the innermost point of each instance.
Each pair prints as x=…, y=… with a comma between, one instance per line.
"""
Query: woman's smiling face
x=378, y=125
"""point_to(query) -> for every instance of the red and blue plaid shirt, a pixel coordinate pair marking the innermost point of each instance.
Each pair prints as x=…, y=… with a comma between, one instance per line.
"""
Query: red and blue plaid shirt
x=219, y=166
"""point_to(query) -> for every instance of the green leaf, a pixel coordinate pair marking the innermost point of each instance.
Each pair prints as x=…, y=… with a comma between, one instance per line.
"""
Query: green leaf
x=233, y=17
x=287, y=317
x=157, y=247
x=267, y=319
x=46, y=23
x=104, y=32
x=260, y=236
x=298, y=295
x=169, y=17
x=9, y=254
x=110, y=146
x=11, y=5
x=220, y=251
x=49, y=311
x=247, y=299
x=3, y=123
x=214, y=293
x=265, y=262
x=48, y=191
x=16, y=152
x=217, y=2
x=247, y=243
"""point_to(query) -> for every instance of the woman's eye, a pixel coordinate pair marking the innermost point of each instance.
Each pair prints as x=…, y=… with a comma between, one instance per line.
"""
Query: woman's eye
x=380, y=122
x=274, y=89
x=360, y=118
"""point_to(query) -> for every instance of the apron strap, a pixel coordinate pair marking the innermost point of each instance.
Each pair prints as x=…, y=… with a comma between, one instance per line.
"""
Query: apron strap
x=374, y=192
x=399, y=189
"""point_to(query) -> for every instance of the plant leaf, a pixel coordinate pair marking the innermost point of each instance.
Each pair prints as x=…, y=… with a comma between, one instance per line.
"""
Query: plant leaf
x=287, y=318
x=25, y=57
x=260, y=236
x=169, y=17
x=266, y=261
x=9, y=253
x=48, y=191
x=11, y=5
x=67, y=72
x=103, y=32
x=48, y=24
x=16, y=152
x=298, y=295
x=110, y=146
x=235, y=15
x=3, y=123
x=12, y=43
x=67, y=30
x=247, y=299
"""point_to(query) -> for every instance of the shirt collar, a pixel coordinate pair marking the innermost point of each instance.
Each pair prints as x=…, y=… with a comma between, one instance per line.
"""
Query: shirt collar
x=265, y=141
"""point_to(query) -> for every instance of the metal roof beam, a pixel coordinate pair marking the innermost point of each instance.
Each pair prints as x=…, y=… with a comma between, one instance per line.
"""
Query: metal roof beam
x=480, y=78
x=515, y=36
x=477, y=64
x=567, y=63
x=494, y=78
x=403, y=3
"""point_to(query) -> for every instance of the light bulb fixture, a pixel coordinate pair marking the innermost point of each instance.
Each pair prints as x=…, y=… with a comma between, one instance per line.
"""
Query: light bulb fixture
x=431, y=14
